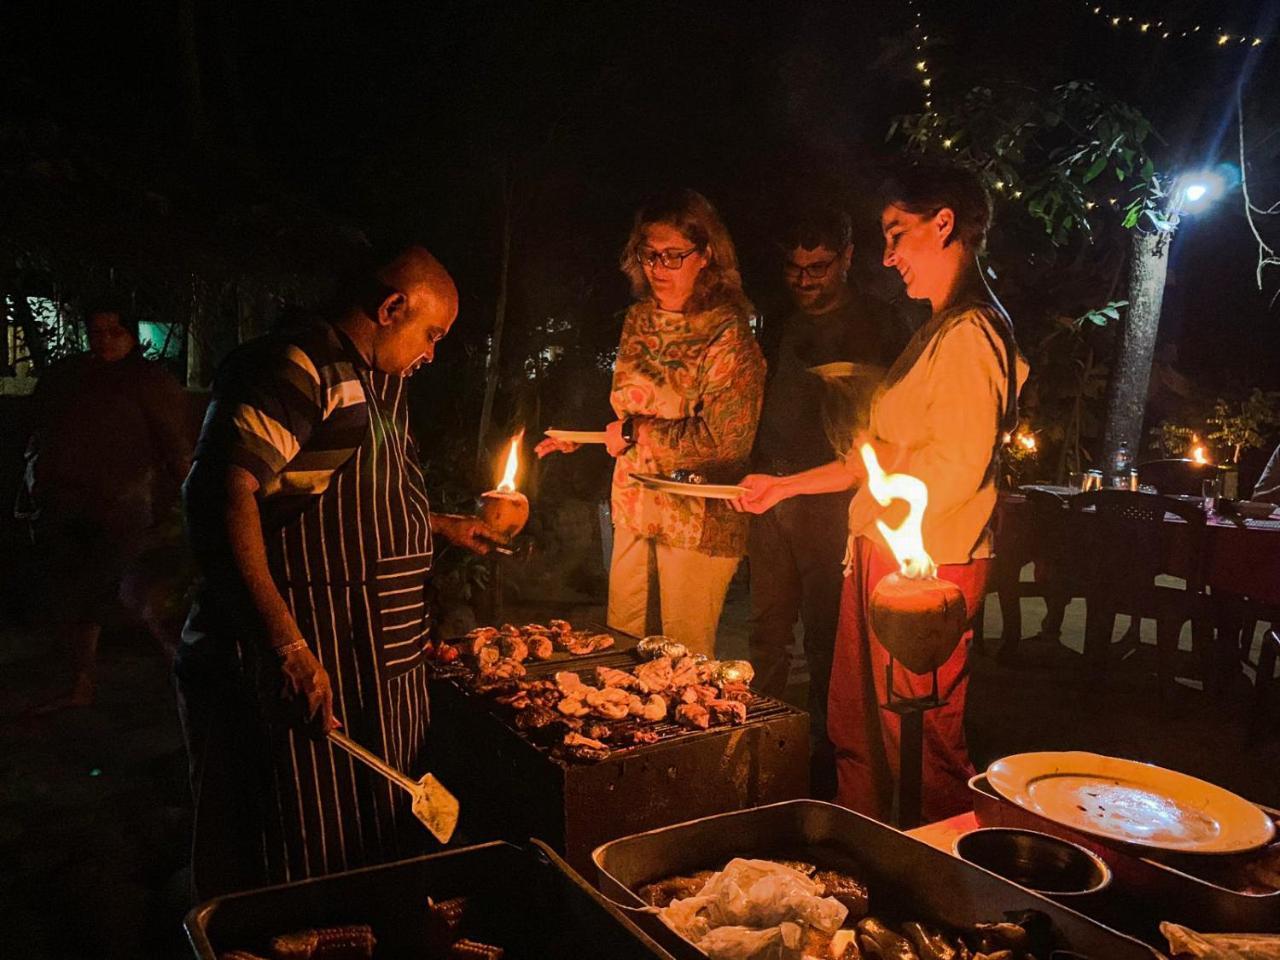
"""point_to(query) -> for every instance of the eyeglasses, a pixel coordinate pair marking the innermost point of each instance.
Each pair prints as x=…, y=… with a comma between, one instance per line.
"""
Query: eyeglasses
x=814, y=271
x=671, y=259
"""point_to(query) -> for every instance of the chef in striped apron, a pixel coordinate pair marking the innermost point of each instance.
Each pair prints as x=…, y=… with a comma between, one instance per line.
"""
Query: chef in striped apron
x=308, y=512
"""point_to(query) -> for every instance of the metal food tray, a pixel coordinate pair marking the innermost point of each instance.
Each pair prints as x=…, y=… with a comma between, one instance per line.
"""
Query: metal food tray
x=907, y=879
x=526, y=900
x=1148, y=887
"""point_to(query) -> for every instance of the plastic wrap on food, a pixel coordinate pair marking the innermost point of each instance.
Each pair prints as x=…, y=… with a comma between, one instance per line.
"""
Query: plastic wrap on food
x=1184, y=942
x=757, y=894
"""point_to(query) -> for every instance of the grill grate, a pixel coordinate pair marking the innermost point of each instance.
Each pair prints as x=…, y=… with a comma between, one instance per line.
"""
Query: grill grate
x=760, y=708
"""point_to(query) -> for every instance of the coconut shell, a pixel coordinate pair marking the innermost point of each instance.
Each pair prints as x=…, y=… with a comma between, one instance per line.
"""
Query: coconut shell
x=919, y=622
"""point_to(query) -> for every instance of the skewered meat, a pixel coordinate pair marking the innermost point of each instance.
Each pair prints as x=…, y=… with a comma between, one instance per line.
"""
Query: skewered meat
x=654, y=676
x=514, y=648
x=535, y=717
x=560, y=626
x=662, y=892
x=699, y=693
x=585, y=748
x=728, y=711
x=654, y=709
x=569, y=683
x=613, y=677
x=849, y=891
x=355, y=942
x=684, y=672
x=693, y=715
x=541, y=647
x=644, y=735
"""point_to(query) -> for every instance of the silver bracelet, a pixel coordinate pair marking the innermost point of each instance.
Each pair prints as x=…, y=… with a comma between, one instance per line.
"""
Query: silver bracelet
x=289, y=647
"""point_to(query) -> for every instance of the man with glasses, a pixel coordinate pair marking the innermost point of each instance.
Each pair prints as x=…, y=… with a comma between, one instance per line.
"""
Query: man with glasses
x=796, y=549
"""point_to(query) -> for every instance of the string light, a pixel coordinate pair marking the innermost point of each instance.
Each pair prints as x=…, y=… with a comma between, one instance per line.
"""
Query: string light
x=1221, y=37
x=922, y=64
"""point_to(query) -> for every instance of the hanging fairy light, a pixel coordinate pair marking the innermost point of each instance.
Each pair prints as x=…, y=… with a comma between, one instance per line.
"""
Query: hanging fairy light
x=1221, y=37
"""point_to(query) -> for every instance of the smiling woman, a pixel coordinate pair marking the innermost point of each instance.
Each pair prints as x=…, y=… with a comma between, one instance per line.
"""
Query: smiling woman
x=687, y=389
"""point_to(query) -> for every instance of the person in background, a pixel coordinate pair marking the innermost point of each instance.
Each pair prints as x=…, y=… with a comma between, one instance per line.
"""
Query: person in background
x=939, y=416
x=687, y=388
x=309, y=519
x=795, y=549
x=111, y=444
x=1267, y=489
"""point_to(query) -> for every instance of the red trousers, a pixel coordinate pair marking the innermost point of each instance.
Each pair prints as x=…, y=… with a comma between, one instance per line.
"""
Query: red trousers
x=866, y=737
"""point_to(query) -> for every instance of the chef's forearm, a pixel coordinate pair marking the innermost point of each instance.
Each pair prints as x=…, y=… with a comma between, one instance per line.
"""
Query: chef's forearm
x=831, y=477
x=249, y=558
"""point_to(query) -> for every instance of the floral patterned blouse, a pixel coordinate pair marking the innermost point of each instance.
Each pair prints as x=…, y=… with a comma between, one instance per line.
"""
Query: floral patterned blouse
x=699, y=378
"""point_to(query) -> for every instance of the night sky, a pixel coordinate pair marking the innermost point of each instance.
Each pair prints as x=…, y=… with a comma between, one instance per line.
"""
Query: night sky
x=408, y=118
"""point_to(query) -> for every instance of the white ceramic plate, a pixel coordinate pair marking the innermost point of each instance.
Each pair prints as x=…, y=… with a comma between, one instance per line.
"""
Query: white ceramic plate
x=1131, y=802
x=841, y=368
x=711, y=491
x=577, y=436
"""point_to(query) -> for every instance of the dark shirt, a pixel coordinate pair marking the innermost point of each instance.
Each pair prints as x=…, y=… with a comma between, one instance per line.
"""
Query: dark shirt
x=793, y=435
x=110, y=438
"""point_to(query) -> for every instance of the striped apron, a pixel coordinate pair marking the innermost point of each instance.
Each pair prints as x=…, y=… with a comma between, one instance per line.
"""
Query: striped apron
x=352, y=569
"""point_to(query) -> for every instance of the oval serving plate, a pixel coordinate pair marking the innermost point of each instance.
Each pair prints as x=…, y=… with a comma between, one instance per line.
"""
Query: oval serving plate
x=577, y=436
x=711, y=491
x=1132, y=802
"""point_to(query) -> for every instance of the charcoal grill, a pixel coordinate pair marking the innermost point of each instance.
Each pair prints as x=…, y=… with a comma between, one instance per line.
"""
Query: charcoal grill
x=511, y=786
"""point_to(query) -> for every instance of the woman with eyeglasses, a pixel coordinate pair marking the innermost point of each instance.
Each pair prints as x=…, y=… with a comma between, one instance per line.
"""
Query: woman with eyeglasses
x=687, y=388
x=939, y=415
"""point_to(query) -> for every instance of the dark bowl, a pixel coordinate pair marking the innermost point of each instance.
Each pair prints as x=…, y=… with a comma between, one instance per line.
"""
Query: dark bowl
x=1045, y=864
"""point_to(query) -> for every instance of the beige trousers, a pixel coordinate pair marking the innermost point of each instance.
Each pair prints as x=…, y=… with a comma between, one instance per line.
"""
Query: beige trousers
x=691, y=589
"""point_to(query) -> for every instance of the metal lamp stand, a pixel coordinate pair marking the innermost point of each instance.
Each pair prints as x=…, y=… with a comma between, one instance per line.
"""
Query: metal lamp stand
x=910, y=711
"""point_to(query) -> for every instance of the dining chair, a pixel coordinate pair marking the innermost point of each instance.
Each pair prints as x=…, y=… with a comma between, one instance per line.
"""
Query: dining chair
x=1266, y=686
x=1047, y=542
x=1124, y=543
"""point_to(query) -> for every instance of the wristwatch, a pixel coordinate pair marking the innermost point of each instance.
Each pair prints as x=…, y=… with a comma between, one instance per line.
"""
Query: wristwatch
x=629, y=430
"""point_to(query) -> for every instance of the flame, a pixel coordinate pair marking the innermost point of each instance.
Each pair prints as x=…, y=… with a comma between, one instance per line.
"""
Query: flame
x=1197, y=452
x=508, y=482
x=1028, y=441
x=907, y=541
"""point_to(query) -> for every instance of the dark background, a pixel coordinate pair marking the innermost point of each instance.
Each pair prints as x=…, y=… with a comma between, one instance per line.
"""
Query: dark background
x=240, y=133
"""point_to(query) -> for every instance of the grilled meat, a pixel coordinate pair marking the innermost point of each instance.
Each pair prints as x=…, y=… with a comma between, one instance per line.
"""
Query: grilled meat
x=613, y=677
x=503, y=669
x=519, y=700
x=540, y=646
x=572, y=707
x=684, y=672
x=643, y=735
x=728, y=711
x=878, y=941
x=699, y=693
x=514, y=648
x=661, y=892
x=529, y=629
x=535, y=717
x=585, y=748
x=581, y=643
x=735, y=691
x=487, y=656
x=655, y=675
x=569, y=683
x=654, y=709
x=693, y=715
x=597, y=731
x=509, y=630
x=560, y=626
x=477, y=644
x=848, y=890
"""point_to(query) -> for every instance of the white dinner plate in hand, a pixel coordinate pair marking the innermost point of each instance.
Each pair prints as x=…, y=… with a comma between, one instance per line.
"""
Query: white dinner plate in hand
x=841, y=368
x=577, y=436
x=711, y=491
x=1131, y=802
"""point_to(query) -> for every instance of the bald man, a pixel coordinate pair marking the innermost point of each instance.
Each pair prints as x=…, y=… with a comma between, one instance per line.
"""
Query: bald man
x=308, y=514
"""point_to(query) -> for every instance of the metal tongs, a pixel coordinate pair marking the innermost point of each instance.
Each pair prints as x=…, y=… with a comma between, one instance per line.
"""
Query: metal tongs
x=435, y=806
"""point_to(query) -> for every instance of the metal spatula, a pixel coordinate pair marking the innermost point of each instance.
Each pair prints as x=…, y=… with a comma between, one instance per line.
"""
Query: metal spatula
x=435, y=806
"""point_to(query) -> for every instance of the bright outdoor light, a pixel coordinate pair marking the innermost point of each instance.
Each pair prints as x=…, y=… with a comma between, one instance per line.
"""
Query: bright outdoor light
x=1202, y=187
x=1196, y=191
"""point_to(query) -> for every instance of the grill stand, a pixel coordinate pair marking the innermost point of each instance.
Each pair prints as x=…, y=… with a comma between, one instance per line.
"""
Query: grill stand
x=910, y=711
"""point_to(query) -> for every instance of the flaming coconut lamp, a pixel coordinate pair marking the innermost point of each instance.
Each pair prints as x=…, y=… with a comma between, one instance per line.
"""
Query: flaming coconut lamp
x=505, y=509
x=917, y=617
